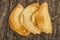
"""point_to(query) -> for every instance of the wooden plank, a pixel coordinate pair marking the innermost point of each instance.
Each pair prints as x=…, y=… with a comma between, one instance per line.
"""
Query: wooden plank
x=58, y=20
x=6, y=33
x=3, y=12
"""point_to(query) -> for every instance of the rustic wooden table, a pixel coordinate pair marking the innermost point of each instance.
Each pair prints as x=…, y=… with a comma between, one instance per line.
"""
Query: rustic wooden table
x=6, y=33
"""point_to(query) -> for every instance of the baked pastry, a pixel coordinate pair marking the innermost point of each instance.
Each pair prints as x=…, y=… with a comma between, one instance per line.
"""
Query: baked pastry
x=43, y=18
x=27, y=13
x=33, y=19
x=14, y=22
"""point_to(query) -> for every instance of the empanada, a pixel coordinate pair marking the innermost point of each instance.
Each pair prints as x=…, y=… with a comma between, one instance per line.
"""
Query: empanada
x=43, y=18
x=27, y=13
x=14, y=22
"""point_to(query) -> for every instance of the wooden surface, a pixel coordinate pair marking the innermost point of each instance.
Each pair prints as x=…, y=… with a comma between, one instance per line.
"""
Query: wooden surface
x=6, y=33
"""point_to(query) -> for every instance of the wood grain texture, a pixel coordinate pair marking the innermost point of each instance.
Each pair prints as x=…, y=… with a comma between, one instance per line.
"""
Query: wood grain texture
x=6, y=33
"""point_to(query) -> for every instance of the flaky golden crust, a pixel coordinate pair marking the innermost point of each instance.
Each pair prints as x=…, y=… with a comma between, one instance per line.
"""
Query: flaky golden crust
x=15, y=23
x=28, y=11
x=43, y=18
x=34, y=18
